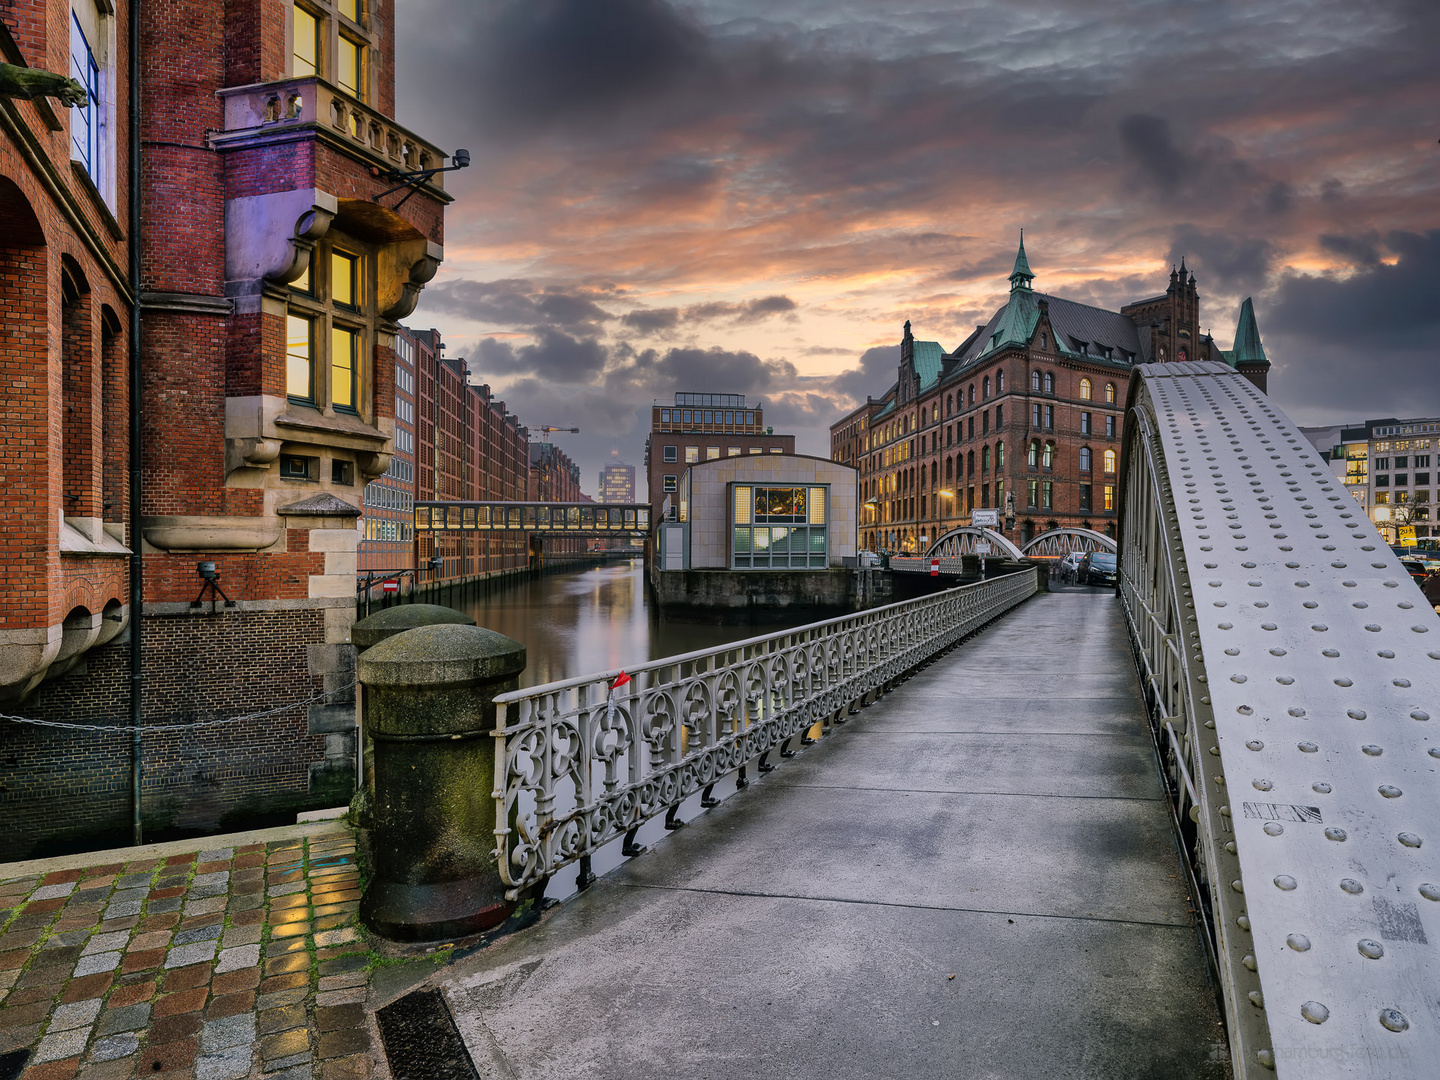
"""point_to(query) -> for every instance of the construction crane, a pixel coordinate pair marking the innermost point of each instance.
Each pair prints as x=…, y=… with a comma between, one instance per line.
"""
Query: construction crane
x=548, y=430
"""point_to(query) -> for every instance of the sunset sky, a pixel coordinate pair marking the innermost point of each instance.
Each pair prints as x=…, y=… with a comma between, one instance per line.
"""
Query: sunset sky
x=747, y=197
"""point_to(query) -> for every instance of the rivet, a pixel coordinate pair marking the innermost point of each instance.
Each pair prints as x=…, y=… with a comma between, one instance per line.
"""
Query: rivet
x=1332, y=653
x=1237, y=678
x=1371, y=950
x=1238, y=885
x=1256, y=999
x=1245, y=710
x=1434, y=751
x=1385, y=654
x=1284, y=680
x=1307, y=747
x=1296, y=711
x=1334, y=832
x=1355, y=714
x=1284, y=882
x=1277, y=652
x=1409, y=839
x=1243, y=922
x=1374, y=628
x=1255, y=744
x=1267, y=626
x=1261, y=784
x=1314, y=1012
x=1321, y=627
x=1402, y=683
x=1390, y=791
x=1273, y=828
x=1419, y=714
x=1232, y=652
x=1227, y=626
x=1393, y=1019
x=1298, y=942
x=1351, y=886
x=1322, y=787
x=1372, y=750
x=1421, y=629
x=1343, y=682
x=1249, y=962
x=1430, y=892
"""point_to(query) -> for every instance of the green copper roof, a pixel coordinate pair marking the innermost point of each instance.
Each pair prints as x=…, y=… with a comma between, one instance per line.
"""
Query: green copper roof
x=926, y=359
x=1017, y=321
x=1021, y=276
x=1248, y=349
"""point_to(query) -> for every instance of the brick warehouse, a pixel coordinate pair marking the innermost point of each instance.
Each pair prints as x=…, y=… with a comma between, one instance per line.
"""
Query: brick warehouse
x=273, y=271
x=1025, y=416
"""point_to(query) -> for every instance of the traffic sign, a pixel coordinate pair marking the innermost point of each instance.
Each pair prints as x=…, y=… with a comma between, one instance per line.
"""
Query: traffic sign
x=982, y=548
x=1407, y=536
x=390, y=586
x=934, y=567
x=986, y=518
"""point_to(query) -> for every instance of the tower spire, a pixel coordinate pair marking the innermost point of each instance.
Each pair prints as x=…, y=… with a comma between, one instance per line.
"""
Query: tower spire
x=1021, y=276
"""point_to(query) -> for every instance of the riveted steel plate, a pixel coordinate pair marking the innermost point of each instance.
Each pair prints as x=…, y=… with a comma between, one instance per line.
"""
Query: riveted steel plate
x=1322, y=663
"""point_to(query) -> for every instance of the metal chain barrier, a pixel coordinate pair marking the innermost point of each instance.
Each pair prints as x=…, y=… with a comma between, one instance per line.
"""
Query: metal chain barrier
x=150, y=728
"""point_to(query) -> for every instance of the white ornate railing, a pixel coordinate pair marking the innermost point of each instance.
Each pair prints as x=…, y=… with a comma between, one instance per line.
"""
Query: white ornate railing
x=577, y=766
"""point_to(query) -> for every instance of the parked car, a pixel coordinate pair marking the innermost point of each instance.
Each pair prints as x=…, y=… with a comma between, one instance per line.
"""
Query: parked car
x=1070, y=566
x=1417, y=570
x=869, y=558
x=1098, y=568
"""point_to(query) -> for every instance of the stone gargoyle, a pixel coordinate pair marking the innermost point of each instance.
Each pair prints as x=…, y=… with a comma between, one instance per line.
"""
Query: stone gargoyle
x=31, y=83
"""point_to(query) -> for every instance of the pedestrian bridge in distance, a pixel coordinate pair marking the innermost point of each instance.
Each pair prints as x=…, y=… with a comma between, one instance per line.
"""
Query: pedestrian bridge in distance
x=541, y=518
x=1001, y=854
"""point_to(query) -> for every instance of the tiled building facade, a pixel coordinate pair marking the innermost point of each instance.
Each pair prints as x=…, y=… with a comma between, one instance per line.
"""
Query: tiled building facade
x=1025, y=416
x=703, y=427
x=387, y=527
x=273, y=270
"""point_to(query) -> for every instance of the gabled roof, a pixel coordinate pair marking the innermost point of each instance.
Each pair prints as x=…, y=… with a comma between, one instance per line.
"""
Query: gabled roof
x=925, y=358
x=1078, y=328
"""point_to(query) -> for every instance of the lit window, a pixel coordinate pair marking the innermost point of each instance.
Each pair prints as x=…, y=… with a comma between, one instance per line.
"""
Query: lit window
x=350, y=66
x=670, y=482
x=342, y=278
x=1110, y=392
x=344, y=365
x=300, y=358
x=733, y=451
x=1085, y=389
x=350, y=9
x=692, y=455
x=305, y=58
x=1109, y=497
x=712, y=453
x=1109, y=460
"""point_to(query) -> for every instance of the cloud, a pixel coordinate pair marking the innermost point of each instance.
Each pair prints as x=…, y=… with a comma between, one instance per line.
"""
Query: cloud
x=554, y=356
x=655, y=320
x=515, y=302
x=1148, y=143
x=1222, y=261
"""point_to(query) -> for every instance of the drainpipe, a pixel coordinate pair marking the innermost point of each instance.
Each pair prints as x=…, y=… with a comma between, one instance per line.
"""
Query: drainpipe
x=137, y=593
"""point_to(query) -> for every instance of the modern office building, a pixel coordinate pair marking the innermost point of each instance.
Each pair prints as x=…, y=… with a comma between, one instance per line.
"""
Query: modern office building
x=1024, y=416
x=617, y=483
x=703, y=427
x=387, y=523
x=1389, y=468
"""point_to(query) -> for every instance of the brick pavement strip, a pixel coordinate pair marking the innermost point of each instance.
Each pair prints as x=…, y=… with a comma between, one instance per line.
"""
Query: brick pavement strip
x=225, y=962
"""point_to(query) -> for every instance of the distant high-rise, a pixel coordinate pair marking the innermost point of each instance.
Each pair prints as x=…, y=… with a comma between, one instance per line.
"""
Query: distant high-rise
x=617, y=483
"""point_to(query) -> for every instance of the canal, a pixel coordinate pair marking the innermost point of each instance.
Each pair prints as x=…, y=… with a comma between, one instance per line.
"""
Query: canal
x=596, y=619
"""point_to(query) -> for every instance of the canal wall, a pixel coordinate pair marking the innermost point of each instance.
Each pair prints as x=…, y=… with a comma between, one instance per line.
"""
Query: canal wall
x=758, y=595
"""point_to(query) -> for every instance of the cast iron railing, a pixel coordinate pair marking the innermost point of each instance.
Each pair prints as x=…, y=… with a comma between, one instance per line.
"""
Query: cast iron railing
x=577, y=765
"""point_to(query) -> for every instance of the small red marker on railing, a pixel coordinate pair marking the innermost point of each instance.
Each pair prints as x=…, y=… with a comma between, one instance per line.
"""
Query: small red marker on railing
x=620, y=680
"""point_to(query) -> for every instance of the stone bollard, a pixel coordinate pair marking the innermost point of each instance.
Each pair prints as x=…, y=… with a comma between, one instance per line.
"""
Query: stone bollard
x=429, y=711
x=373, y=629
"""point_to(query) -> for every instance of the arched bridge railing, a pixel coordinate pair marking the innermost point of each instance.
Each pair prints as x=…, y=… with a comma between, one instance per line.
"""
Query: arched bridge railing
x=1057, y=543
x=1293, y=675
x=962, y=541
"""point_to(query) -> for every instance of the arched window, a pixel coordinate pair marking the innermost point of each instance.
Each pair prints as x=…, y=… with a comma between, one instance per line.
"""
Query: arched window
x=934, y=472
x=1000, y=381
x=999, y=456
x=1109, y=461
x=1032, y=458
x=1110, y=392
x=985, y=459
x=970, y=463
x=1049, y=460
x=1085, y=459
x=1084, y=389
x=1049, y=383
x=935, y=414
x=985, y=387
x=949, y=468
x=972, y=393
x=1035, y=381
x=949, y=404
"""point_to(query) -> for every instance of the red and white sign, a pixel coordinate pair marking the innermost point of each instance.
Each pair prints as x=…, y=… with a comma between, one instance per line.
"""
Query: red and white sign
x=390, y=586
x=934, y=567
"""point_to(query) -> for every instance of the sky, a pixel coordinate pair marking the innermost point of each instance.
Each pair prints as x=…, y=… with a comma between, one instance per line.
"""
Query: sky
x=752, y=197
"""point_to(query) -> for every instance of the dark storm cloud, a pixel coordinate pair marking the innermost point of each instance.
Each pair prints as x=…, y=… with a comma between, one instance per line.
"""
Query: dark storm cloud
x=1363, y=250
x=871, y=376
x=517, y=303
x=746, y=311
x=1148, y=143
x=554, y=355
x=1363, y=345
x=1221, y=261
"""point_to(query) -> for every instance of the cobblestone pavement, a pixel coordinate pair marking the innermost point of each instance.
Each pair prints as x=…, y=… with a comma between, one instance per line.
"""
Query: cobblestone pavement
x=218, y=963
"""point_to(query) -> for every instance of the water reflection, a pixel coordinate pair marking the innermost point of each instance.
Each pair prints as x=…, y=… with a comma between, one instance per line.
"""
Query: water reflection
x=595, y=620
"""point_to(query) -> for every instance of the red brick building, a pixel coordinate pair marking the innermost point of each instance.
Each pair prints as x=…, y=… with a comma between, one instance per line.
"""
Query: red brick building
x=1025, y=416
x=275, y=264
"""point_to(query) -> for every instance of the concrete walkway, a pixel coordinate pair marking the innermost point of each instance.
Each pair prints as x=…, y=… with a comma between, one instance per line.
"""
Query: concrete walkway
x=976, y=877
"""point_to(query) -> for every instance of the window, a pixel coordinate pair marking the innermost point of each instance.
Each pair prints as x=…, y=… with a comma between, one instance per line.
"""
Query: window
x=1035, y=382
x=1032, y=496
x=1382, y=463
x=1109, y=460
x=750, y=418
x=1401, y=480
x=1422, y=461
x=1049, y=383
x=1049, y=417
x=1035, y=417
x=1047, y=494
x=1048, y=461
x=1085, y=389
x=709, y=416
x=85, y=123
x=669, y=482
x=1422, y=478
x=985, y=459
x=733, y=451
x=687, y=416
x=1085, y=459
x=972, y=393
x=985, y=423
x=1085, y=497
x=692, y=455
x=1402, y=462
x=350, y=67
x=1109, y=506
x=92, y=66
x=970, y=463
x=305, y=54
x=1000, y=381
x=972, y=427
x=985, y=388
x=1382, y=498
x=664, y=416
x=949, y=404
x=756, y=450
x=999, y=417
x=1110, y=393
x=328, y=331
x=1032, y=457
x=1084, y=423
x=670, y=453
x=1110, y=427
x=779, y=527
x=999, y=456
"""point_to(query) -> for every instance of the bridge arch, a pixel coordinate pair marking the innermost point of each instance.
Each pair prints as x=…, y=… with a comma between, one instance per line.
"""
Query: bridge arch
x=1291, y=670
x=962, y=541
x=1057, y=543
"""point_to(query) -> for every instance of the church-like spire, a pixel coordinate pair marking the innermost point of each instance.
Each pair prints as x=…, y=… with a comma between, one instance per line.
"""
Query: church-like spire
x=1021, y=276
x=1247, y=349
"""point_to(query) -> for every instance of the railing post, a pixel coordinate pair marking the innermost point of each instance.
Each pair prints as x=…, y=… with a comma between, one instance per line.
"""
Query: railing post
x=429, y=712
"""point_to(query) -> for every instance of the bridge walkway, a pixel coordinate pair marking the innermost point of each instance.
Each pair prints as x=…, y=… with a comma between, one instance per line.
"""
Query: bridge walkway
x=975, y=877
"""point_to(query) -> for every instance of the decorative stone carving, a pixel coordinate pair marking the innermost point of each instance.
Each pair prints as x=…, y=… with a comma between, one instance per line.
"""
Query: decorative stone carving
x=30, y=83
x=201, y=533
